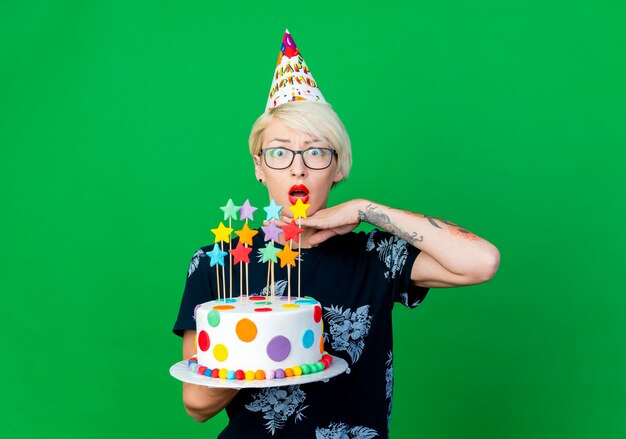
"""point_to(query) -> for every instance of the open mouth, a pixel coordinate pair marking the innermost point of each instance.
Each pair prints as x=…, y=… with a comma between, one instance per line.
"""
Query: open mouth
x=298, y=192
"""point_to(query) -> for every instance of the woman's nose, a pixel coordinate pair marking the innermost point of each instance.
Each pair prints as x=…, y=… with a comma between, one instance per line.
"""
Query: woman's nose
x=298, y=168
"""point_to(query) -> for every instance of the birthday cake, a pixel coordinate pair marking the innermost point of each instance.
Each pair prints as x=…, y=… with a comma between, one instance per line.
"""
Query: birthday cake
x=258, y=337
x=255, y=338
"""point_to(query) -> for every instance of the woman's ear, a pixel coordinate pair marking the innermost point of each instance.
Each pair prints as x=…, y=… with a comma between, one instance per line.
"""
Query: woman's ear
x=258, y=171
x=338, y=176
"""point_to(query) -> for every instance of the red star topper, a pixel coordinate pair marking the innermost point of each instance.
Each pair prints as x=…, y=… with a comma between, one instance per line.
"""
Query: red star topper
x=292, y=231
x=241, y=253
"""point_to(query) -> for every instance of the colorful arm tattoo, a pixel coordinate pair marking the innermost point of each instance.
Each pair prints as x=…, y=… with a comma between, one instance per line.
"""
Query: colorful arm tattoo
x=455, y=229
x=372, y=216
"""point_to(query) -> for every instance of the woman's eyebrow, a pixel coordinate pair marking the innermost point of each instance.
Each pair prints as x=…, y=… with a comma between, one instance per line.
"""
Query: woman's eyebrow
x=280, y=140
x=306, y=142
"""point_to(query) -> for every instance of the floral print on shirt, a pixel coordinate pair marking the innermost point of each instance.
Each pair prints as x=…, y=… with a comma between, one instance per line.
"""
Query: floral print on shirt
x=339, y=430
x=278, y=404
x=348, y=329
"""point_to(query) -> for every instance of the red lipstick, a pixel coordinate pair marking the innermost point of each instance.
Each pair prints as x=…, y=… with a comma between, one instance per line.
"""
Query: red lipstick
x=299, y=191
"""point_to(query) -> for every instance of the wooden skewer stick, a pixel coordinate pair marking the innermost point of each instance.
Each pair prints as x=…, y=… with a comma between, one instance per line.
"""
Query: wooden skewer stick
x=223, y=271
x=288, y=283
x=217, y=276
x=273, y=280
x=267, y=284
x=241, y=280
x=247, y=283
x=230, y=258
x=247, y=287
x=299, y=257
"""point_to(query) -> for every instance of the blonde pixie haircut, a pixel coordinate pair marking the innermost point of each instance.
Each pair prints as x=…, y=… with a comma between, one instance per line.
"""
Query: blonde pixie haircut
x=314, y=118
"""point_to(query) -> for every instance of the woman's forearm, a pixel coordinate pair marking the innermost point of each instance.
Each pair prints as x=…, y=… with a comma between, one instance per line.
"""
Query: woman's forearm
x=202, y=403
x=452, y=246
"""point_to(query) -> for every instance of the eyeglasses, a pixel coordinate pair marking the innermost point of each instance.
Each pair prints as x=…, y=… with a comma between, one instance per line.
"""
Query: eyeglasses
x=313, y=158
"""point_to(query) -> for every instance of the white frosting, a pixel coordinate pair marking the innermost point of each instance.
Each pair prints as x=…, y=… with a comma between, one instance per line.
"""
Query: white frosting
x=291, y=323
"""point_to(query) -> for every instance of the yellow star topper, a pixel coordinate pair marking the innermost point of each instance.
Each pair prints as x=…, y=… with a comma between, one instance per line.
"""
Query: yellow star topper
x=246, y=234
x=299, y=209
x=287, y=256
x=222, y=233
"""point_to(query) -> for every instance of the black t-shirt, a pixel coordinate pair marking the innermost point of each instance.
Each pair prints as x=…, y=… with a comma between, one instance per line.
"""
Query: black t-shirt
x=356, y=277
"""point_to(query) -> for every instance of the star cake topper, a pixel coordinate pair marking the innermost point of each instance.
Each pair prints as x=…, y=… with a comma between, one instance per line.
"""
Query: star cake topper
x=246, y=234
x=222, y=233
x=216, y=255
x=287, y=256
x=292, y=231
x=272, y=231
x=273, y=211
x=269, y=252
x=299, y=209
x=246, y=211
x=230, y=210
x=241, y=254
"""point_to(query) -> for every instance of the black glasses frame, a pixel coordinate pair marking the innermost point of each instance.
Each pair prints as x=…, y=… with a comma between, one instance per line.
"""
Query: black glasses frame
x=293, y=156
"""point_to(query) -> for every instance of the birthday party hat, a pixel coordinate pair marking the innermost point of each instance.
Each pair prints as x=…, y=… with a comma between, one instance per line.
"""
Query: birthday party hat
x=292, y=79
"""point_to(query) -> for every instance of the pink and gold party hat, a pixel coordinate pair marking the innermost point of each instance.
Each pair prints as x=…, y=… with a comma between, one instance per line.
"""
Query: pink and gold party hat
x=292, y=79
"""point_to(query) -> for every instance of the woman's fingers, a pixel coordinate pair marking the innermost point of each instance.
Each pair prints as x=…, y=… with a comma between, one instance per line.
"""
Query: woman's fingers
x=310, y=222
x=279, y=223
x=327, y=223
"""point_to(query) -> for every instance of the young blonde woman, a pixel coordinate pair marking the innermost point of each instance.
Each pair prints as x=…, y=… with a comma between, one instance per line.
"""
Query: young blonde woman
x=300, y=150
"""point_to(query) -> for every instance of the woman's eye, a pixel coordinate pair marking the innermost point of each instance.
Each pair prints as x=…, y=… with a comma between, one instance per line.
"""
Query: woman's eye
x=315, y=152
x=278, y=152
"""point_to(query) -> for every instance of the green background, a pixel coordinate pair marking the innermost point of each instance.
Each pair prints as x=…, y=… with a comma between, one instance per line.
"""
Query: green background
x=123, y=128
